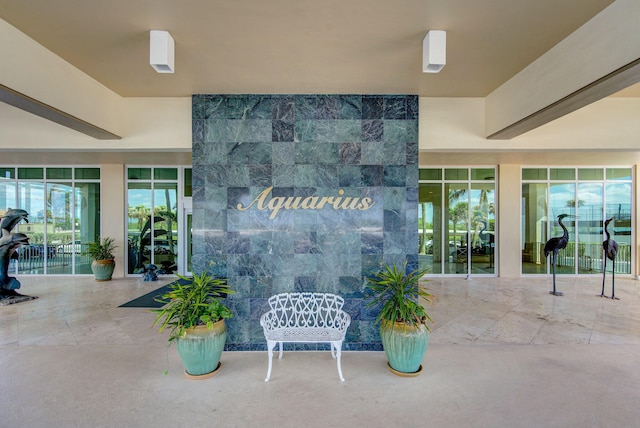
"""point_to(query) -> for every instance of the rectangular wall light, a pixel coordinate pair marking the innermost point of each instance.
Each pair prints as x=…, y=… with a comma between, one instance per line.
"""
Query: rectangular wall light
x=434, y=51
x=161, y=51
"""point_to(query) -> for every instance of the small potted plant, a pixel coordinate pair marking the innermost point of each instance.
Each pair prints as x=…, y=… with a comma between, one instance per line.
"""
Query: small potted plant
x=195, y=316
x=403, y=320
x=102, y=259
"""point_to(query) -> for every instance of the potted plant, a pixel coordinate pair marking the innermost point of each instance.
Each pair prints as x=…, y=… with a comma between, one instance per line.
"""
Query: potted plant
x=403, y=320
x=102, y=259
x=195, y=318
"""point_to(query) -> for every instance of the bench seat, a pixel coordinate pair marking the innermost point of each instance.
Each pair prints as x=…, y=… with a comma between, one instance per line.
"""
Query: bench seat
x=305, y=318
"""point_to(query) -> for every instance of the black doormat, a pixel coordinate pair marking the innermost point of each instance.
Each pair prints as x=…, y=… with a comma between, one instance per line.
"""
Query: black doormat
x=148, y=300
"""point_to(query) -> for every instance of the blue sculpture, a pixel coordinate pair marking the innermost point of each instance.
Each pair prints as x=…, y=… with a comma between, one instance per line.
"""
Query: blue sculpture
x=150, y=273
x=9, y=243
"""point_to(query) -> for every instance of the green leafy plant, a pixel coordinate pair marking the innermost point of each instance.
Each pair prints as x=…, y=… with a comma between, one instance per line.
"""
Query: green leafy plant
x=192, y=302
x=398, y=293
x=102, y=249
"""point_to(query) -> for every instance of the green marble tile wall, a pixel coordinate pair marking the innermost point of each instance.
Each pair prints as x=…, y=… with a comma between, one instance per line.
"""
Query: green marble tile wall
x=303, y=193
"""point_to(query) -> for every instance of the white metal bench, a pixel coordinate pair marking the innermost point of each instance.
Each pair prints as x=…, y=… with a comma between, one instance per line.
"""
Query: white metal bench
x=305, y=318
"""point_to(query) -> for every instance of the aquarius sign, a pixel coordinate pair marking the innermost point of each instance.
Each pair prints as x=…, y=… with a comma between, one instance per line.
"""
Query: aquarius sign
x=264, y=201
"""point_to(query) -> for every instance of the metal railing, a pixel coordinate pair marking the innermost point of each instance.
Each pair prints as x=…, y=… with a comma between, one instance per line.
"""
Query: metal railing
x=32, y=259
x=589, y=257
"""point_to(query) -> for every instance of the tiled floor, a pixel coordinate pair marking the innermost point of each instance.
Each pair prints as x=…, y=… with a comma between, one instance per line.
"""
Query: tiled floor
x=503, y=353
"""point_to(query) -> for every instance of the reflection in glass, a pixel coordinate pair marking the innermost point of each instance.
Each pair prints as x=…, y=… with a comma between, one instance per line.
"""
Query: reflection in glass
x=31, y=198
x=618, y=206
x=589, y=234
x=456, y=218
x=138, y=226
x=562, y=200
x=87, y=223
x=60, y=228
x=594, y=200
x=430, y=227
x=482, y=245
x=165, y=230
x=534, y=228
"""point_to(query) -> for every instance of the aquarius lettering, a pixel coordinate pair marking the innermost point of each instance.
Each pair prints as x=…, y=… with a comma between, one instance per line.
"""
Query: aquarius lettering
x=264, y=202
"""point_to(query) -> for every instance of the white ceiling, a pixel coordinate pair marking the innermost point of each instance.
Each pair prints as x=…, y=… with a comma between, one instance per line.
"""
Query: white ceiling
x=300, y=46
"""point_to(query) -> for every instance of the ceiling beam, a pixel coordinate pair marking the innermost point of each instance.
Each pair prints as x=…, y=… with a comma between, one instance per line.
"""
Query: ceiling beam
x=595, y=61
x=601, y=88
x=31, y=105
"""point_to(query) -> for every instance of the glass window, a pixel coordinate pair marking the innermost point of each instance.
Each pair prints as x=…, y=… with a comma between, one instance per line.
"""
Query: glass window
x=87, y=173
x=188, y=189
x=30, y=173
x=165, y=235
x=590, y=174
x=139, y=226
x=562, y=174
x=60, y=228
x=534, y=173
x=456, y=221
x=618, y=173
x=589, y=233
x=482, y=228
x=534, y=227
x=139, y=173
x=456, y=174
x=153, y=219
x=87, y=223
x=64, y=217
x=562, y=200
x=31, y=198
x=594, y=199
x=7, y=173
x=165, y=174
x=59, y=174
x=430, y=252
x=618, y=207
x=483, y=174
x=431, y=174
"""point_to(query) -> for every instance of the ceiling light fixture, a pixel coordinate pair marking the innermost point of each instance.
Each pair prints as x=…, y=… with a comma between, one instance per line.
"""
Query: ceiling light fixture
x=434, y=51
x=161, y=51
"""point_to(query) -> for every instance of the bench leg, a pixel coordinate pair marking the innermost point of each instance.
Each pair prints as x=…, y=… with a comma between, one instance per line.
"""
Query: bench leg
x=270, y=345
x=338, y=350
x=280, y=348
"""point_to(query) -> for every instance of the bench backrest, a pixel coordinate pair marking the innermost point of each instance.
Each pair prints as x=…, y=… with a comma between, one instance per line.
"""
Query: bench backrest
x=306, y=309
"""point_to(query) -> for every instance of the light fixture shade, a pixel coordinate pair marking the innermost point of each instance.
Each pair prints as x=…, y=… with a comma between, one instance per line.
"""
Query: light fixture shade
x=161, y=51
x=434, y=51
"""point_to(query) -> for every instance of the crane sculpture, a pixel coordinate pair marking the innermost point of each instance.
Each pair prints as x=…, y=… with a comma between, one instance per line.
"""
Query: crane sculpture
x=610, y=250
x=553, y=246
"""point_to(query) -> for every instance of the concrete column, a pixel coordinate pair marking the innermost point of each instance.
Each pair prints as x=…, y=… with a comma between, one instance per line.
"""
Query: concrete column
x=509, y=251
x=113, y=211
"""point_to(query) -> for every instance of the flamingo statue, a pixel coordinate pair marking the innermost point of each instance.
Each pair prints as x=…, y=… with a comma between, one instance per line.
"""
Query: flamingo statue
x=610, y=250
x=553, y=246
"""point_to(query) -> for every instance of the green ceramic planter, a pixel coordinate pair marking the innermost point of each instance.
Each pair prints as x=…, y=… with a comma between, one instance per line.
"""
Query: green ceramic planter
x=404, y=345
x=200, y=349
x=103, y=269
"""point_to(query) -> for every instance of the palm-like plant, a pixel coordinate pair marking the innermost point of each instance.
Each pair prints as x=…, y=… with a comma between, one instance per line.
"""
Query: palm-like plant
x=102, y=249
x=398, y=293
x=192, y=302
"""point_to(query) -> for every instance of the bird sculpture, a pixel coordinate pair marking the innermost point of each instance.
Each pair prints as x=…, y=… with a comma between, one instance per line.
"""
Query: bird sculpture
x=9, y=243
x=553, y=246
x=610, y=250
